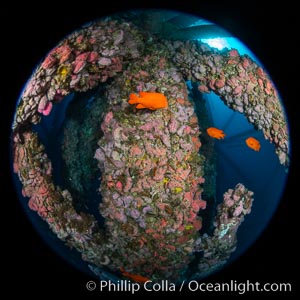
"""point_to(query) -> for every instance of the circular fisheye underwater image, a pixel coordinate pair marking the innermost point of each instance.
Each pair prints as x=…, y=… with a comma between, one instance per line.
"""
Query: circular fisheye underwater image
x=150, y=145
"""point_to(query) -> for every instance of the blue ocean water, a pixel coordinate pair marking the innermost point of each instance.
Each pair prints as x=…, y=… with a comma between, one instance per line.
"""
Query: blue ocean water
x=260, y=171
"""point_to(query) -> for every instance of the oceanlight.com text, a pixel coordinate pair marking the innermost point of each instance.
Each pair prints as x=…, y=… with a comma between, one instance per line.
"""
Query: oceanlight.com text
x=240, y=287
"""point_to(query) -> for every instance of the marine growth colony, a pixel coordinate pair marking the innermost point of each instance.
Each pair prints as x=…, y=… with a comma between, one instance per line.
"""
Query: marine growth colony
x=149, y=154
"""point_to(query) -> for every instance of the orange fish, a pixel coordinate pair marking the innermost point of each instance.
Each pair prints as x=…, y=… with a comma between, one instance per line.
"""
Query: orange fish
x=215, y=133
x=253, y=143
x=135, y=277
x=151, y=101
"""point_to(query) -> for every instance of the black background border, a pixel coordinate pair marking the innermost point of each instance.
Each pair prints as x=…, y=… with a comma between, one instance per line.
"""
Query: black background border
x=29, y=32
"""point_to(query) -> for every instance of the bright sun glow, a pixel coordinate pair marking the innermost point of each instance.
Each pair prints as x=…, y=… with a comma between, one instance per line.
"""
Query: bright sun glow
x=218, y=43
